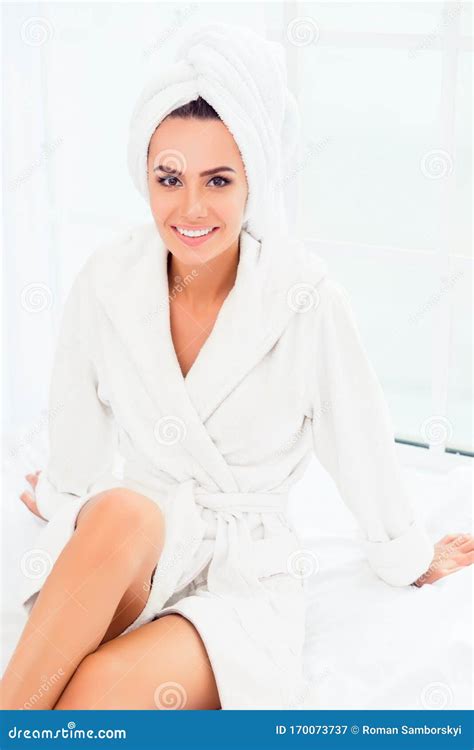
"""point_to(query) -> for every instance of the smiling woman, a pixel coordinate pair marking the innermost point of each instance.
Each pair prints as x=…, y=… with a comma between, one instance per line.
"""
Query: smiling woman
x=190, y=194
x=197, y=205
x=185, y=579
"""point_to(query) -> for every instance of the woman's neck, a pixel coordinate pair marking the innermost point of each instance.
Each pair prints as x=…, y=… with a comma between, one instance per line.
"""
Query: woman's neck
x=201, y=286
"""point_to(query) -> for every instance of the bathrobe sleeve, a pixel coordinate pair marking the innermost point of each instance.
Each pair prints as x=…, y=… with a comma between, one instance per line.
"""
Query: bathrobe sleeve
x=353, y=439
x=81, y=431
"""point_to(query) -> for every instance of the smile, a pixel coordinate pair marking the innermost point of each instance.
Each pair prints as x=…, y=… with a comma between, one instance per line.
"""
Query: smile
x=196, y=236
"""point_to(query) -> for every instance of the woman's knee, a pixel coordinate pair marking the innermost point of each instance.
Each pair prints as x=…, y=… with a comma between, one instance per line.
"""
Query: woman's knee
x=125, y=520
x=96, y=673
x=121, y=506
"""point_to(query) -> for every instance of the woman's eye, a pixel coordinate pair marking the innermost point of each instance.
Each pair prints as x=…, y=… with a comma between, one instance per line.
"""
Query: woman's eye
x=164, y=181
x=225, y=181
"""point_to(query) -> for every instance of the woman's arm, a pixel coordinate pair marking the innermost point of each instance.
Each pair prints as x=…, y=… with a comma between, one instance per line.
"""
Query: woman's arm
x=82, y=429
x=354, y=440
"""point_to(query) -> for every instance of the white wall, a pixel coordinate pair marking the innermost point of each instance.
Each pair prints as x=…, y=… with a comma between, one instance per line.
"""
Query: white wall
x=380, y=90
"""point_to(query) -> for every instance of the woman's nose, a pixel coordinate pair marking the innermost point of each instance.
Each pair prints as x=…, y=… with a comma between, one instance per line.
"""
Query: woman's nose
x=194, y=207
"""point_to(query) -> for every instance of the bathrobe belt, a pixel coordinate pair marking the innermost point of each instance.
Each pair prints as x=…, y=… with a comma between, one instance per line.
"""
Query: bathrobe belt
x=241, y=569
x=241, y=502
x=237, y=561
x=240, y=566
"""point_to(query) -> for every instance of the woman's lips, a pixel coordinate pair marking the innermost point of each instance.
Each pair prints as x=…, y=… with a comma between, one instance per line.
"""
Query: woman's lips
x=193, y=241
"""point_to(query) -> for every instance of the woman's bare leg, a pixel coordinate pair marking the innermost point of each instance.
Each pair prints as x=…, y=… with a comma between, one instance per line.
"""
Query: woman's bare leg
x=108, y=560
x=160, y=665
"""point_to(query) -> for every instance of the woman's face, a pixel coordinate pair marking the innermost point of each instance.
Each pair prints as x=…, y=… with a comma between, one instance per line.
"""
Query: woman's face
x=196, y=180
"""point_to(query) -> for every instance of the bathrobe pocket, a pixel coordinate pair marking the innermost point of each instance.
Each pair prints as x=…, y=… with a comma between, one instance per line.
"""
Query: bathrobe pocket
x=273, y=555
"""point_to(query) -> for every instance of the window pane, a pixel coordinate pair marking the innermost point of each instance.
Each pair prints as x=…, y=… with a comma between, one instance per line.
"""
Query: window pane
x=460, y=366
x=374, y=179
x=389, y=17
x=459, y=425
x=391, y=293
x=461, y=224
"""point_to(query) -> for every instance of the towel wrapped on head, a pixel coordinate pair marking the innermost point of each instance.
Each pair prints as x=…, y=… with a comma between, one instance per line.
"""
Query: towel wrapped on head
x=243, y=77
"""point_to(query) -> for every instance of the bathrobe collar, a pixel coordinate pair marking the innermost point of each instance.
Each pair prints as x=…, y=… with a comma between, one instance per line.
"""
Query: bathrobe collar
x=263, y=300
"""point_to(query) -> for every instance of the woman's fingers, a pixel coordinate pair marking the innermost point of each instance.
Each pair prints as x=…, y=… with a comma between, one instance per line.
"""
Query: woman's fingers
x=465, y=558
x=466, y=546
x=455, y=543
x=449, y=538
x=27, y=499
x=32, y=479
x=459, y=547
x=452, y=553
x=30, y=503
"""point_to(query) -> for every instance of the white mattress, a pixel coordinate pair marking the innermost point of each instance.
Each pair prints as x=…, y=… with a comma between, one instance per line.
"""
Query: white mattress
x=369, y=645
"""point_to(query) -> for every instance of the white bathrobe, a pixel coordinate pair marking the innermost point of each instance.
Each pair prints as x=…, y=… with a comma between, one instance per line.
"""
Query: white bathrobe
x=283, y=372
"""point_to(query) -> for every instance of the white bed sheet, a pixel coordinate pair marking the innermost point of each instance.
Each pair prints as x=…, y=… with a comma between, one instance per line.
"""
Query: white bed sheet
x=369, y=645
x=373, y=646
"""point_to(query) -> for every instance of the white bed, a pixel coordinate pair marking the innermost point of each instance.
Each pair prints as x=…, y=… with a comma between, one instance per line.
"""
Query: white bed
x=369, y=645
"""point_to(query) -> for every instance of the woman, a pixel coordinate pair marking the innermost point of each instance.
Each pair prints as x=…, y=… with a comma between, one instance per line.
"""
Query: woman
x=220, y=353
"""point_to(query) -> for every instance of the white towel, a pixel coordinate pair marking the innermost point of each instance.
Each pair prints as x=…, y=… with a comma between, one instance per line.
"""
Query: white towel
x=243, y=77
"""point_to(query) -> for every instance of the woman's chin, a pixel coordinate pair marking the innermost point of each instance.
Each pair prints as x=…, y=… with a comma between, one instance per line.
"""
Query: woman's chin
x=199, y=254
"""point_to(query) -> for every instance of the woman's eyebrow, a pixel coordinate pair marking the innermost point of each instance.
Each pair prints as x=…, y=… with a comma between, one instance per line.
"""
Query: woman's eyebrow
x=170, y=170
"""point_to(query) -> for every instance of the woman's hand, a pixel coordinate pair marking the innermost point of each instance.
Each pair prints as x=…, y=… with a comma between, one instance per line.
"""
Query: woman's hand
x=452, y=552
x=27, y=498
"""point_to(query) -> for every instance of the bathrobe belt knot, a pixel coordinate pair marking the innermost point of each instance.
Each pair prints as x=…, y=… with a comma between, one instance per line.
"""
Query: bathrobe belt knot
x=237, y=557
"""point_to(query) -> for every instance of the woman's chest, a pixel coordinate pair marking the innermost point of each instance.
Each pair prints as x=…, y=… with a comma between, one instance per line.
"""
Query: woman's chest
x=265, y=399
x=189, y=332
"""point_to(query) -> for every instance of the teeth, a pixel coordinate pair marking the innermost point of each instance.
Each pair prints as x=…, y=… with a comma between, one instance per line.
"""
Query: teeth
x=194, y=233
